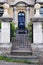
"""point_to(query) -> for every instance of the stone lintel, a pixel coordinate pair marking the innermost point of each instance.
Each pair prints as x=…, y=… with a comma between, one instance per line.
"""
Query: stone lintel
x=6, y=19
x=35, y=19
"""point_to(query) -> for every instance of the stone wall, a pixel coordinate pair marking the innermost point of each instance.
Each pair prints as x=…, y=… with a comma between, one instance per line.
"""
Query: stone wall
x=39, y=1
x=10, y=11
x=2, y=1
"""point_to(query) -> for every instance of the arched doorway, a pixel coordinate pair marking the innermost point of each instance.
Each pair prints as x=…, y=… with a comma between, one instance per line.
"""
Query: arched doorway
x=21, y=20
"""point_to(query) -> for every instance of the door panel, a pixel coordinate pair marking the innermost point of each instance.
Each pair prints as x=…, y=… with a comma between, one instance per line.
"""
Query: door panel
x=21, y=20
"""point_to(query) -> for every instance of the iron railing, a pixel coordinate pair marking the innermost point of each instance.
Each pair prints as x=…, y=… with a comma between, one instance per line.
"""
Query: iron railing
x=21, y=41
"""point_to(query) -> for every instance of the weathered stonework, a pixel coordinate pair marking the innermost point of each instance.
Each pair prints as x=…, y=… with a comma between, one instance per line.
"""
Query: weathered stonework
x=5, y=44
x=5, y=48
x=37, y=46
x=39, y=19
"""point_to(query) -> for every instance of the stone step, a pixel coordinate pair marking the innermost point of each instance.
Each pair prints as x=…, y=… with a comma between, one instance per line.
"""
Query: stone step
x=21, y=47
x=34, y=59
x=22, y=31
x=22, y=35
x=21, y=52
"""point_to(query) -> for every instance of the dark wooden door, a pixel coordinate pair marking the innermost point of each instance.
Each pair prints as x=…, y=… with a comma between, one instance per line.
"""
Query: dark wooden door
x=21, y=20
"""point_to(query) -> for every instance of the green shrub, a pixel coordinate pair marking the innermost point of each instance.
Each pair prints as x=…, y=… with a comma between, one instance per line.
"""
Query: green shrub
x=29, y=27
x=0, y=25
x=12, y=25
x=42, y=25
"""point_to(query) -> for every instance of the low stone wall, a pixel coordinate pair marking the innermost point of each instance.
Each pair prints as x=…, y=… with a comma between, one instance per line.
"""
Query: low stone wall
x=5, y=48
x=41, y=59
x=37, y=49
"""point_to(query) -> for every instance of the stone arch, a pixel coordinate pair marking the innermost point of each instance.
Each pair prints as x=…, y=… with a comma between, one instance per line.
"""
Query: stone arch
x=18, y=1
x=24, y=2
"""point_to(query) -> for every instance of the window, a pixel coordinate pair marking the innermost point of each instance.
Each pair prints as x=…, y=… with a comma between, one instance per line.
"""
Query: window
x=1, y=11
x=41, y=11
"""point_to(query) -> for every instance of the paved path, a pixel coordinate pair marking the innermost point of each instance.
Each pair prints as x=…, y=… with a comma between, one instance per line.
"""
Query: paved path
x=12, y=63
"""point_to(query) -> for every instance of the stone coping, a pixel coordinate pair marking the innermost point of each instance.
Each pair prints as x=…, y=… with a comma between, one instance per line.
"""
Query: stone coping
x=40, y=2
x=6, y=19
x=5, y=43
x=37, y=44
x=37, y=19
x=2, y=2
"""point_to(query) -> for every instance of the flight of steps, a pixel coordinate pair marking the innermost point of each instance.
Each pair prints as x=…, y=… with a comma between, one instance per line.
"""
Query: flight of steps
x=33, y=59
x=21, y=49
x=21, y=45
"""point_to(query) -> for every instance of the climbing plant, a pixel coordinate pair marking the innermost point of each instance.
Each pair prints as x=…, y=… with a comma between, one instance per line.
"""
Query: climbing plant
x=12, y=25
x=0, y=25
x=29, y=27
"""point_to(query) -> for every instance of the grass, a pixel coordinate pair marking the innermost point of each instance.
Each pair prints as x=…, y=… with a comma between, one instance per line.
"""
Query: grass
x=7, y=59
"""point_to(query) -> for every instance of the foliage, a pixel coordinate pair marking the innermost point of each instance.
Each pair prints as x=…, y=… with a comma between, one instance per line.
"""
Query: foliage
x=29, y=27
x=8, y=59
x=0, y=25
x=42, y=25
x=12, y=29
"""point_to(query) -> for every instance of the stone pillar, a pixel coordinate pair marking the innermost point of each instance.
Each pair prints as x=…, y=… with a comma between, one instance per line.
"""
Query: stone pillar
x=37, y=31
x=15, y=17
x=5, y=32
x=5, y=45
x=27, y=16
